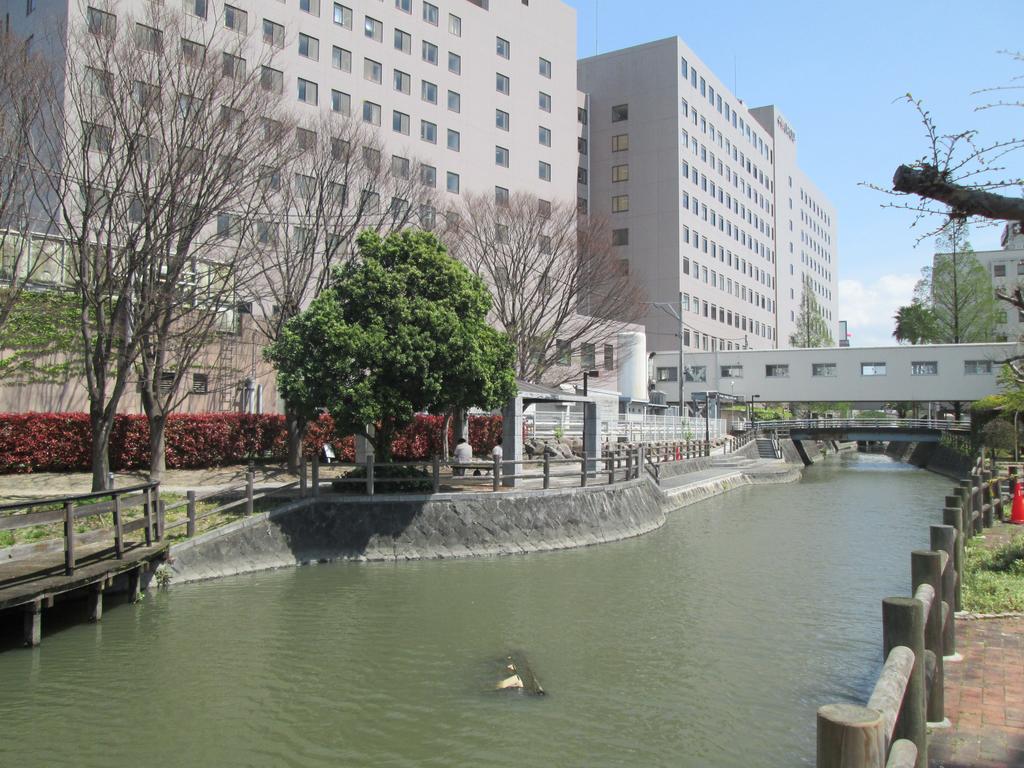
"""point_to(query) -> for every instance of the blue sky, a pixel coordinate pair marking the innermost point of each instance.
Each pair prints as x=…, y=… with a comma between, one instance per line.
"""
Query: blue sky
x=837, y=70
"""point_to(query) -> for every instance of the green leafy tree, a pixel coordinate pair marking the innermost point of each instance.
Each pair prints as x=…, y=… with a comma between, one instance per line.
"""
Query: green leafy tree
x=811, y=326
x=915, y=323
x=958, y=291
x=400, y=330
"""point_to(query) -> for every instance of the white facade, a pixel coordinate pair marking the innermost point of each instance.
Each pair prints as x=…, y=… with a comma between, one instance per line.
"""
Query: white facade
x=922, y=373
x=705, y=198
x=453, y=53
x=1006, y=268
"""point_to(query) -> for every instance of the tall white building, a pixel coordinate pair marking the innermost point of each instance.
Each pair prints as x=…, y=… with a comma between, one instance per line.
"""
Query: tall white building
x=707, y=203
x=482, y=90
x=1006, y=268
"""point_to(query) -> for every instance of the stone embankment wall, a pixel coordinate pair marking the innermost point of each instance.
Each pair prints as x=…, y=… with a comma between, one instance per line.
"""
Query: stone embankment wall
x=392, y=528
x=931, y=456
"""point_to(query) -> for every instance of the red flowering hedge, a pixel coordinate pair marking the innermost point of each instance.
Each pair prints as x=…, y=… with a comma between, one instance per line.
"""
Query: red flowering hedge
x=60, y=442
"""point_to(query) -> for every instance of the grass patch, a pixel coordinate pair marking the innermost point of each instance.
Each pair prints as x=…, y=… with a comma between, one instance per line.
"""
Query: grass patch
x=994, y=577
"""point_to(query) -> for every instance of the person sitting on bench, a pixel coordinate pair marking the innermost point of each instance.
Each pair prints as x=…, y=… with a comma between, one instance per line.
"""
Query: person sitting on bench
x=463, y=455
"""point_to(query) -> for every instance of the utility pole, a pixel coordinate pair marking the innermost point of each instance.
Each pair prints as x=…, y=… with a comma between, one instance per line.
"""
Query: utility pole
x=677, y=312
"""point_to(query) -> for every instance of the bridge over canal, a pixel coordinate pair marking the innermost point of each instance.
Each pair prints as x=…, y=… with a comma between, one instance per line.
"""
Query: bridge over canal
x=865, y=430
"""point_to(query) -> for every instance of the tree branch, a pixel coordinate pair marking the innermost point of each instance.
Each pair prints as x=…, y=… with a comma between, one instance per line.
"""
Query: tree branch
x=925, y=180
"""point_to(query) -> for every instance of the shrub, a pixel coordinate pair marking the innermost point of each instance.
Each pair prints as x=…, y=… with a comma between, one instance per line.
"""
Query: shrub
x=998, y=435
x=60, y=442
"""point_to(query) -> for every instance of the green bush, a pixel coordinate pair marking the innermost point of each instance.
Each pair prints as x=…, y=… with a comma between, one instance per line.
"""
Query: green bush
x=410, y=480
x=998, y=435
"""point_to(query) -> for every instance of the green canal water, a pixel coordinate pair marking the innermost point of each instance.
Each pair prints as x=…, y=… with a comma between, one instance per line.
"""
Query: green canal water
x=708, y=643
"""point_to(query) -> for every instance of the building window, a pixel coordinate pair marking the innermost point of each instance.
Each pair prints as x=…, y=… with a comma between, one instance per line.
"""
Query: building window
x=404, y=5
x=872, y=369
x=200, y=383
x=403, y=41
x=620, y=203
x=403, y=82
x=341, y=59
x=341, y=102
x=620, y=143
x=501, y=196
x=454, y=25
x=428, y=176
x=273, y=33
x=454, y=102
x=581, y=145
x=696, y=373
x=310, y=6
x=823, y=369
x=309, y=47
x=454, y=63
x=977, y=367
x=373, y=71
x=999, y=270
x=503, y=48
x=400, y=122
x=196, y=8
x=452, y=183
x=581, y=115
x=454, y=140
x=609, y=357
x=501, y=119
x=777, y=371
x=620, y=236
x=307, y=91
x=149, y=39
x=236, y=19
x=545, y=68
x=544, y=101
x=430, y=13
x=544, y=136
x=501, y=157
x=428, y=131
x=501, y=83
x=371, y=113
x=667, y=374
x=428, y=92
x=272, y=79
x=620, y=173
x=732, y=372
x=924, y=368
x=588, y=356
x=400, y=166
x=544, y=171
x=620, y=112
x=429, y=53
x=373, y=29
x=343, y=16
x=581, y=175
x=563, y=352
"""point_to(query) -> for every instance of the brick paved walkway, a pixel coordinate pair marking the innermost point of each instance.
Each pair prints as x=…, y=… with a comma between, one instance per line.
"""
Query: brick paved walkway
x=984, y=692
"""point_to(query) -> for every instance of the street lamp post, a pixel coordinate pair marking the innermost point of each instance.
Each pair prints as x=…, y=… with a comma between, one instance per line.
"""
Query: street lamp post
x=751, y=419
x=676, y=310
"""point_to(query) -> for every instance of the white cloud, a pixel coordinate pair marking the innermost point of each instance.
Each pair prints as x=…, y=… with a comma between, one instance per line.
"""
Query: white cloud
x=868, y=308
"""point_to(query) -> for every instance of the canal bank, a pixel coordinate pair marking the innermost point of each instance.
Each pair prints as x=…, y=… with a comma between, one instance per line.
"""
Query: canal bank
x=459, y=525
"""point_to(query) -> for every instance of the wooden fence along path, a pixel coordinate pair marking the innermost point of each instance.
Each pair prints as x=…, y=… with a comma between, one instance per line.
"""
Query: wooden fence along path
x=918, y=639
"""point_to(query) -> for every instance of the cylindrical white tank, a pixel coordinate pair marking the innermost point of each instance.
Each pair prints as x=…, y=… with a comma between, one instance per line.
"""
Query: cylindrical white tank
x=632, y=350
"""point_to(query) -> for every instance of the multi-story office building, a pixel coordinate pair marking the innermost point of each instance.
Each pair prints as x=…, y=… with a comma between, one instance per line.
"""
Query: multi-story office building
x=483, y=91
x=708, y=206
x=1006, y=268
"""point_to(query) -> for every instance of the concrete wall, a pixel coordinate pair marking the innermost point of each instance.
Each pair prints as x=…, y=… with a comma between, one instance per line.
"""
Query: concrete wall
x=443, y=526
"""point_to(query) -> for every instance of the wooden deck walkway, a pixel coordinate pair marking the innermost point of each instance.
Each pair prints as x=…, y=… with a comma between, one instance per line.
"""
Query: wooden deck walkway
x=35, y=583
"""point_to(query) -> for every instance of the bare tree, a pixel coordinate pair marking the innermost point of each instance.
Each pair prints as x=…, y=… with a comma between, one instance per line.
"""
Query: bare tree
x=338, y=182
x=557, y=283
x=161, y=116
x=26, y=94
